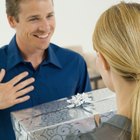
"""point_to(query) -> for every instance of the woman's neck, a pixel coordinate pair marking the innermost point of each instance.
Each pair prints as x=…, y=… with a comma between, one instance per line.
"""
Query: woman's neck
x=124, y=93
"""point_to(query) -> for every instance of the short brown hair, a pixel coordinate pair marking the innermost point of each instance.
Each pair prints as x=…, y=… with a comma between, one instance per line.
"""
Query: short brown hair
x=13, y=8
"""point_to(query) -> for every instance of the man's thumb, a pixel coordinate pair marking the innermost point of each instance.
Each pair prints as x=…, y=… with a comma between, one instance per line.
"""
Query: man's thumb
x=2, y=74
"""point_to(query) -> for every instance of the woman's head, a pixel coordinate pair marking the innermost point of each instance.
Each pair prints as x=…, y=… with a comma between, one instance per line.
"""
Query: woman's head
x=116, y=37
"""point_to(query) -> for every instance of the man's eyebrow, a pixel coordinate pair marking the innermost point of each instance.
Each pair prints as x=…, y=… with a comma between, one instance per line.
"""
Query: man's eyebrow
x=37, y=16
x=50, y=13
x=32, y=16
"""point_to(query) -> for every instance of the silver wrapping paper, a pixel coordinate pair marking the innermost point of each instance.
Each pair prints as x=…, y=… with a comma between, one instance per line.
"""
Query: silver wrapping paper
x=56, y=120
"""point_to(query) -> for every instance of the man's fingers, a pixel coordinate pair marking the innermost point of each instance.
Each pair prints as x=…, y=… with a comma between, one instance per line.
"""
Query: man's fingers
x=18, y=78
x=24, y=91
x=24, y=84
x=2, y=74
x=22, y=99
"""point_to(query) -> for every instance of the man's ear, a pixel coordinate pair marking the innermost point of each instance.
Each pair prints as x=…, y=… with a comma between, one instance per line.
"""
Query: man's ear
x=106, y=65
x=11, y=21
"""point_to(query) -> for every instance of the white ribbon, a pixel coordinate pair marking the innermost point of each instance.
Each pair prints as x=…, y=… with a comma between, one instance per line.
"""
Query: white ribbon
x=82, y=100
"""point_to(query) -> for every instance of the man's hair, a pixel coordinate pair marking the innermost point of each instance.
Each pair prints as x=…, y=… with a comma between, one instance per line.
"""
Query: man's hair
x=13, y=8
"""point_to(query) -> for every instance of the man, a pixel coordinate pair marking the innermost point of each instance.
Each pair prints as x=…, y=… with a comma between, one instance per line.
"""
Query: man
x=33, y=69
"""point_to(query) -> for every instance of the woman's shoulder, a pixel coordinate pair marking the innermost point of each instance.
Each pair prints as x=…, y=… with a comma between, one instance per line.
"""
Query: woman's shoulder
x=110, y=130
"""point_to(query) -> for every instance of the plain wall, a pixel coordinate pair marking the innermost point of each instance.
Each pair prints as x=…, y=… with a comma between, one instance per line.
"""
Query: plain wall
x=75, y=20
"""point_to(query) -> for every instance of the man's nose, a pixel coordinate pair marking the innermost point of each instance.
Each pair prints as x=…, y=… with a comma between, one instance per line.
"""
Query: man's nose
x=44, y=25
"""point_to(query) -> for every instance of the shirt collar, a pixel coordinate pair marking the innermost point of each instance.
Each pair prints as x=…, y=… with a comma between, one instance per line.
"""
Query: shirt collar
x=121, y=122
x=13, y=54
x=15, y=57
x=52, y=57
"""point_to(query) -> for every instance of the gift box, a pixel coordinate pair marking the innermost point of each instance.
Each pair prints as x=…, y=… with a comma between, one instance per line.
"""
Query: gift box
x=55, y=120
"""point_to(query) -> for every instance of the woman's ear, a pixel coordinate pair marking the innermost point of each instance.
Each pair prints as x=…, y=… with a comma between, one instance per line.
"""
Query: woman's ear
x=11, y=21
x=104, y=61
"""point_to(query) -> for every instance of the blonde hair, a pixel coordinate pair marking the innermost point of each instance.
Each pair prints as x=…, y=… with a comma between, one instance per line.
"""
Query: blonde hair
x=117, y=37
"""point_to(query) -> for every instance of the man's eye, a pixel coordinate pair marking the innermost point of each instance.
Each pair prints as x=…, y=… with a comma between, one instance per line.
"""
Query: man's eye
x=49, y=16
x=33, y=19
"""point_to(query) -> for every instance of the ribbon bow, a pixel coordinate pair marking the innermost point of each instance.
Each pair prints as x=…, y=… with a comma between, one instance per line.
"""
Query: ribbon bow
x=82, y=100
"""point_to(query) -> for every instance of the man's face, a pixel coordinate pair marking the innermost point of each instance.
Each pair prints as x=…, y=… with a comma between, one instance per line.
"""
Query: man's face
x=36, y=24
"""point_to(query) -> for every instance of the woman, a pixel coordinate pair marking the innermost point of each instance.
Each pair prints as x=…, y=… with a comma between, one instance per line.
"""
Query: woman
x=116, y=40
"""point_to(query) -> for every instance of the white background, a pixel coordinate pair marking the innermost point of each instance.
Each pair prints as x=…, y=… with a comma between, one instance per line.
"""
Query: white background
x=75, y=20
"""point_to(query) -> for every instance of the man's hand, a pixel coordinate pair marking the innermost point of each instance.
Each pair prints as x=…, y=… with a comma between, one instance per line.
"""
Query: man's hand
x=12, y=92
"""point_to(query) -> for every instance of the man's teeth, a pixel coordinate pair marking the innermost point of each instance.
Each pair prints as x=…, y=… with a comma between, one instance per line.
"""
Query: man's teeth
x=43, y=36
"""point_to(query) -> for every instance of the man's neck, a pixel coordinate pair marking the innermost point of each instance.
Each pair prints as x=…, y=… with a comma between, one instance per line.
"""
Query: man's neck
x=35, y=58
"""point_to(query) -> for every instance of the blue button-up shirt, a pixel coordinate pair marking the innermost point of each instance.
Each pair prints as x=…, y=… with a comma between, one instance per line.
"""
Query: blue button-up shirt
x=63, y=73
